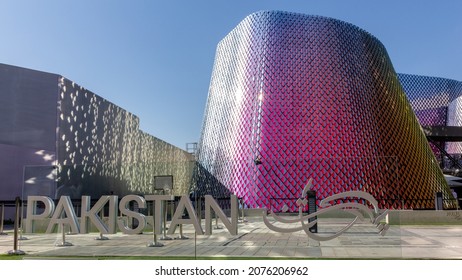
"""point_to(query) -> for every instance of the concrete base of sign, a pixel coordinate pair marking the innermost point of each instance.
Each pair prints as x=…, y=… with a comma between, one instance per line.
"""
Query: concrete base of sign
x=255, y=240
x=155, y=244
x=181, y=237
x=64, y=244
x=16, y=252
x=101, y=237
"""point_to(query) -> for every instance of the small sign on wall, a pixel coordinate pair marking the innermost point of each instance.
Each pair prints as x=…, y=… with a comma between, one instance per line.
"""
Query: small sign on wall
x=163, y=183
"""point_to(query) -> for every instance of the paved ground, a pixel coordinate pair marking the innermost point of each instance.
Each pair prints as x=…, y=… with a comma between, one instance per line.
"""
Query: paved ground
x=255, y=240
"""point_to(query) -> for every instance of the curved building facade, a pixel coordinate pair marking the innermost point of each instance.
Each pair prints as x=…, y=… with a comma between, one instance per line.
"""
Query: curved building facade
x=294, y=97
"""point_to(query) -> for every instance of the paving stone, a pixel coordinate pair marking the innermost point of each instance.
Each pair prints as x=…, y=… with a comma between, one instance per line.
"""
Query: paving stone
x=255, y=240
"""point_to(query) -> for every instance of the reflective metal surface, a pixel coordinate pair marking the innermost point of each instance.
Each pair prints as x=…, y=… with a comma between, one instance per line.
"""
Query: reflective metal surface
x=294, y=97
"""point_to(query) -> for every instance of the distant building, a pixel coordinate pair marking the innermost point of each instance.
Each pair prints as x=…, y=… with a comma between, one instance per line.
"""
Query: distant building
x=294, y=97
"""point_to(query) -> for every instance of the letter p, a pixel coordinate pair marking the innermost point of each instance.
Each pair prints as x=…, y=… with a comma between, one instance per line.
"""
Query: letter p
x=32, y=211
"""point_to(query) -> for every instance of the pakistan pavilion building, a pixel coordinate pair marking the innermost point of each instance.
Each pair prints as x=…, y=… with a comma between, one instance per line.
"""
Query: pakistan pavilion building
x=294, y=97
x=58, y=138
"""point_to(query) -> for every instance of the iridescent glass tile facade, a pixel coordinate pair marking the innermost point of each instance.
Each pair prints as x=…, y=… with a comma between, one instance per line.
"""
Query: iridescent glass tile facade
x=294, y=97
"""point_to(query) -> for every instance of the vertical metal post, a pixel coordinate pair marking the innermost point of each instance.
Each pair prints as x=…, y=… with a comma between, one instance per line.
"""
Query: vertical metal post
x=2, y=217
x=199, y=210
x=63, y=234
x=166, y=205
x=243, y=213
x=69, y=232
x=154, y=242
x=164, y=220
x=20, y=204
x=217, y=226
x=180, y=235
x=21, y=237
x=15, y=250
x=101, y=237
x=243, y=220
x=63, y=242
x=195, y=233
x=195, y=245
x=172, y=210
x=164, y=223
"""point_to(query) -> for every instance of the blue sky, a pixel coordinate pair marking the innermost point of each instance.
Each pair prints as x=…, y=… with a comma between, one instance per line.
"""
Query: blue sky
x=154, y=58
